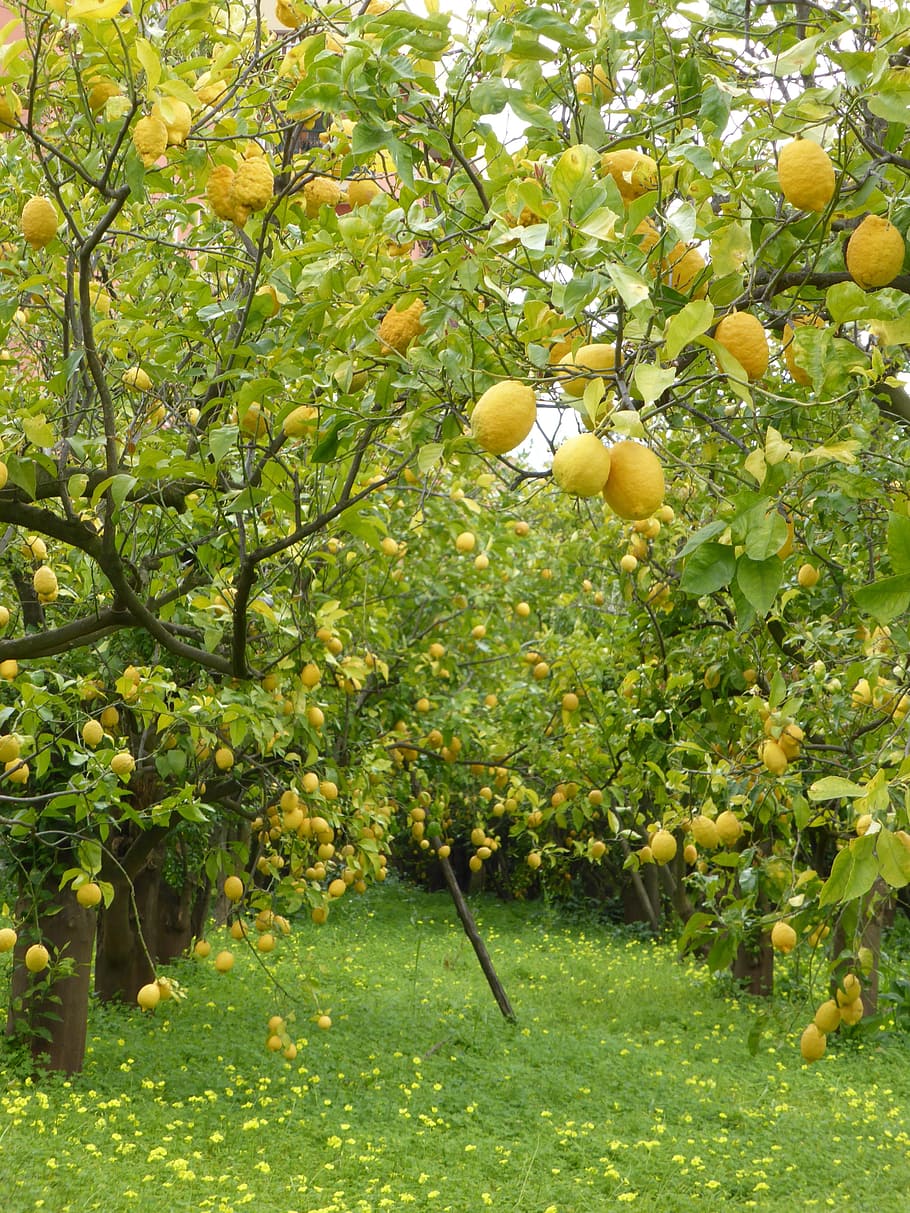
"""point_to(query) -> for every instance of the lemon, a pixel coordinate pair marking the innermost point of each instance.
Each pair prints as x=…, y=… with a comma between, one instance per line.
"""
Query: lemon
x=683, y=268
x=807, y=576
x=44, y=581
x=4, y=474
x=300, y=422
x=635, y=485
x=581, y=465
x=783, y=937
x=123, y=764
x=233, y=888
x=812, y=1043
x=852, y=1012
x=319, y=192
x=741, y=334
x=400, y=326
x=597, y=358
x=504, y=416
x=790, y=740
x=465, y=542
x=149, y=996
x=850, y=990
x=594, y=85
x=635, y=173
x=37, y=958
x=875, y=253
x=177, y=118
x=728, y=826
x=828, y=1016
x=219, y=192
x=9, y=669
x=224, y=961
x=135, y=377
x=797, y=373
x=8, y=939
x=704, y=831
x=773, y=756
x=663, y=846
x=806, y=175
x=254, y=184
x=39, y=222
x=224, y=758
x=150, y=139
x=88, y=894
x=362, y=190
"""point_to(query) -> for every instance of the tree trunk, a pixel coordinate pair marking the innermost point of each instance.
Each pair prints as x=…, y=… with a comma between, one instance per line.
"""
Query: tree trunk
x=50, y=1014
x=180, y=917
x=126, y=943
x=754, y=964
x=874, y=913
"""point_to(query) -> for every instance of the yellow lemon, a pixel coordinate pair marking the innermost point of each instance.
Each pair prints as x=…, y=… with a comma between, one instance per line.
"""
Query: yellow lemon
x=806, y=175
x=504, y=416
x=635, y=485
x=875, y=253
x=742, y=335
x=581, y=465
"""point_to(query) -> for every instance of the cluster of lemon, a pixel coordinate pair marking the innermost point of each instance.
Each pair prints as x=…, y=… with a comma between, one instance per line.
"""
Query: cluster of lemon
x=782, y=742
x=846, y=1007
x=278, y=1039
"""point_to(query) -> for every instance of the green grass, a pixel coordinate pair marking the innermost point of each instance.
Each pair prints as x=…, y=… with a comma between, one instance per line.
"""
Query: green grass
x=627, y=1082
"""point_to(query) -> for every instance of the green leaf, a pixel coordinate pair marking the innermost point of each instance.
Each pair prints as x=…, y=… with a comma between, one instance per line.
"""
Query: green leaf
x=893, y=858
x=151, y=64
x=708, y=569
x=702, y=536
x=899, y=542
x=833, y=787
x=688, y=323
x=327, y=447
x=121, y=486
x=574, y=169
x=429, y=455
x=893, y=107
x=600, y=224
x=714, y=112
x=848, y=301
x=761, y=530
x=652, y=381
x=37, y=430
x=222, y=440
x=759, y=581
x=853, y=872
x=632, y=288
x=886, y=599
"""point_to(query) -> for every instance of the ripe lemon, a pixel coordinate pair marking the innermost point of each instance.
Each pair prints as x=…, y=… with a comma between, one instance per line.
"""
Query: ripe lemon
x=224, y=962
x=812, y=1043
x=850, y=989
x=504, y=416
x=203, y=948
x=594, y=85
x=807, y=576
x=597, y=358
x=92, y=733
x=123, y=764
x=828, y=1016
x=581, y=465
x=465, y=542
x=728, y=826
x=88, y=894
x=683, y=268
x=797, y=373
x=324, y=1022
x=773, y=756
x=253, y=184
x=400, y=326
x=224, y=758
x=742, y=335
x=149, y=996
x=8, y=939
x=150, y=139
x=233, y=888
x=300, y=422
x=852, y=1012
x=570, y=702
x=663, y=846
x=44, y=581
x=37, y=958
x=790, y=741
x=806, y=175
x=135, y=377
x=635, y=173
x=875, y=253
x=704, y=831
x=39, y=221
x=319, y=192
x=635, y=485
x=783, y=937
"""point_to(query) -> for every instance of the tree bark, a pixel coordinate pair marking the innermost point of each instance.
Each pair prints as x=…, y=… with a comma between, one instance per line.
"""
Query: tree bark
x=754, y=964
x=126, y=943
x=51, y=1013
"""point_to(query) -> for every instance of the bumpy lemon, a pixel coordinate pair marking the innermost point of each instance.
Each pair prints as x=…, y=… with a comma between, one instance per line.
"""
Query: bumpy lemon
x=100, y=93
x=254, y=184
x=504, y=416
x=742, y=335
x=362, y=190
x=595, y=86
x=875, y=253
x=150, y=139
x=783, y=937
x=597, y=358
x=635, y=486
x=177, y=118
x=704, y=831
x=319, y=192
x=398, y=328
x=219, y=191
x=806, y=175
x=812, y=1043
x=581, y=465
x=797, y=373
x=135, y=377
x=635, y=173
x=39, y=221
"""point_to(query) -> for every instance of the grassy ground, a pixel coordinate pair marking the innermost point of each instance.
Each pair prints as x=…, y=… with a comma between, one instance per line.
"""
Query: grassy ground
x=626, y=1082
